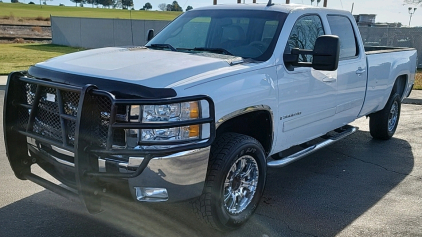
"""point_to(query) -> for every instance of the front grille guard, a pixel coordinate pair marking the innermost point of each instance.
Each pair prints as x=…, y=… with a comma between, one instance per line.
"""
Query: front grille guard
x=82, y=124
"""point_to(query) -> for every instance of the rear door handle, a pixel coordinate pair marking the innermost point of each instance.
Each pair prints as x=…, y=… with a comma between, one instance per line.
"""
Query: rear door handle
x=360, y=71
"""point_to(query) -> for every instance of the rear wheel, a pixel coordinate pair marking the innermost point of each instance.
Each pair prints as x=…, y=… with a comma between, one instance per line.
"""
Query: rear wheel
x=383, y=124
x=235, y=182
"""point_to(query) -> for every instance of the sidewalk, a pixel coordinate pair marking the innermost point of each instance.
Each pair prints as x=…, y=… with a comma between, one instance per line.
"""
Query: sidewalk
x=414, y=98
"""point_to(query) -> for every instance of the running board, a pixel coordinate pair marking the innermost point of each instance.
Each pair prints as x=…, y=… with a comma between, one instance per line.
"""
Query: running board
x=348, y=130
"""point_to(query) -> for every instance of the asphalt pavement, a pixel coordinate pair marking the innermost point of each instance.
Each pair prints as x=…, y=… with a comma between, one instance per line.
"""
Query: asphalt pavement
x=355, y=187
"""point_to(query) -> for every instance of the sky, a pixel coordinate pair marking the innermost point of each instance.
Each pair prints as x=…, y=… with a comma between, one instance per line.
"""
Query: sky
x=386, y=10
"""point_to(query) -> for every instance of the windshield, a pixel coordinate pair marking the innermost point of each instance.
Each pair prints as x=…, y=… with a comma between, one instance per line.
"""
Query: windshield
x=244, y=33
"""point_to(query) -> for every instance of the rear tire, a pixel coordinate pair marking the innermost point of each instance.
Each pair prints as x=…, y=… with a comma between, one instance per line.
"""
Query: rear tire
x=234, y=184
x=383, y=124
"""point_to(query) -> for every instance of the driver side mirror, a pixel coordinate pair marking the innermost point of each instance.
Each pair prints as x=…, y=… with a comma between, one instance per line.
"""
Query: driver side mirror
x=325, y=54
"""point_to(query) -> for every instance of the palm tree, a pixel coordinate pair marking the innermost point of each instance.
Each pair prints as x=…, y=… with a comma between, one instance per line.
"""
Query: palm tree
x=317, y=2
x=312, y=1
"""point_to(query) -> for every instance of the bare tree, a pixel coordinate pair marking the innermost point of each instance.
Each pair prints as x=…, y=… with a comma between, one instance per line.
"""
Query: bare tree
x=162, y=6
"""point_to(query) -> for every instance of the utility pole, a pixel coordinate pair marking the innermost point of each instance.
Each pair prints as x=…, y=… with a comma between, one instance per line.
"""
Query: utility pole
x=287, y=1
x=325, y=3
x=411, y=13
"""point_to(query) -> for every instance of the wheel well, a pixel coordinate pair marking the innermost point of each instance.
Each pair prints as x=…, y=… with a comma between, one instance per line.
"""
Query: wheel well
x=257, y=124
x=400, y=85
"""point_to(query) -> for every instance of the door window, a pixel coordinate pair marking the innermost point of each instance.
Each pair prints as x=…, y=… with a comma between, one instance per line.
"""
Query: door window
x=304, y=34
x=342, y=27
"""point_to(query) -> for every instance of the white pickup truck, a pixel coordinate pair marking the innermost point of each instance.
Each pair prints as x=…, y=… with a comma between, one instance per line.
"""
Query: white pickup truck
x=204, y=108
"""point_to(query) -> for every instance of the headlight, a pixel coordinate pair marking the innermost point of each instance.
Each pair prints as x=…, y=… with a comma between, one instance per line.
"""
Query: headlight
x=170, y=113
x=164, y=114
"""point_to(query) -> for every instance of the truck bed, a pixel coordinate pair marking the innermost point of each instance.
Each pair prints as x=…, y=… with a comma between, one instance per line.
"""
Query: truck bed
x=383, y=70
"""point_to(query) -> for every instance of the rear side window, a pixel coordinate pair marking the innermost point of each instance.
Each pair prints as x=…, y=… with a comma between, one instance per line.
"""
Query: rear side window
x=304, y=34
x=342, y=27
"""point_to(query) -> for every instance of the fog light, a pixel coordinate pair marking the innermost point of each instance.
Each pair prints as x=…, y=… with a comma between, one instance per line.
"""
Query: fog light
x=151, y=194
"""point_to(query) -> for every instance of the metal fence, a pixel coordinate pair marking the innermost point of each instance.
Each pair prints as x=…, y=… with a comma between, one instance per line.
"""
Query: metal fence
x=97, y=33
x=396, y=37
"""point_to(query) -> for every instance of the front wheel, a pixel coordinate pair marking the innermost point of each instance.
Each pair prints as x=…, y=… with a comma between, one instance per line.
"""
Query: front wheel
x=383, y=124
x=235, y=182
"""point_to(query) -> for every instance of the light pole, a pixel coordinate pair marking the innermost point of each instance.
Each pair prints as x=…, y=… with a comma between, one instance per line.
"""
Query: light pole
x=411, y=13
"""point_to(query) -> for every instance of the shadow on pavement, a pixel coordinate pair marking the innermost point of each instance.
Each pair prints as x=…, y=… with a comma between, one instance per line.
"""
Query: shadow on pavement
x=317, y=196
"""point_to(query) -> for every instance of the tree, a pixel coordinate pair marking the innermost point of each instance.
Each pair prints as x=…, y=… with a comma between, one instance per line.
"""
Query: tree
x=92, y=2
x=190, y=8
x=106, y=3
x=147, y=6
x=162, y=6
x=127, y=3
x=14, y=1
x=317, y=2
x=312, y=1
x=31, y=3
x=176, y=7
x=78, y=1
x=168, y=7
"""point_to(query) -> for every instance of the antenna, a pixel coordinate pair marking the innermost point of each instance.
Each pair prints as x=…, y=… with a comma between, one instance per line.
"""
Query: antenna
x=270, y=3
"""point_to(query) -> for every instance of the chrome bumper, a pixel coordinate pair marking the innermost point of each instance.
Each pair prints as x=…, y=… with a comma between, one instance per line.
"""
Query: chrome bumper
x=176, y=177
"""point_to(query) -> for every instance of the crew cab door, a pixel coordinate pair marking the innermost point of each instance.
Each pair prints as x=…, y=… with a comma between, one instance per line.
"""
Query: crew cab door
x=306, y=96
x=352, y=71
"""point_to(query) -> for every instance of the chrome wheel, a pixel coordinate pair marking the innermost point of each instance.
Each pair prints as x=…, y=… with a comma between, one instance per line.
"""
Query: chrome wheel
x=393, y=116
x=240, y=184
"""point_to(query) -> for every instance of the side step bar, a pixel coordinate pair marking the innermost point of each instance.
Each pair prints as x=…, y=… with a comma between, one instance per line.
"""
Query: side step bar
x=347, y=130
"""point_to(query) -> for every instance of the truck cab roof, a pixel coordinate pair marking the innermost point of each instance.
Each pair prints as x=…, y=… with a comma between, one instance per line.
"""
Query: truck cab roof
x=286, y=8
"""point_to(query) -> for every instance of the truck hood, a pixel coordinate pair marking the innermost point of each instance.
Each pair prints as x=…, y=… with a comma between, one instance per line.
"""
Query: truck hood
x=139, y=65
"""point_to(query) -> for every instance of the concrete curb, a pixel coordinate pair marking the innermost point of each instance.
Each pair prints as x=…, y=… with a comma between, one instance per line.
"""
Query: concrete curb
x=414, y=98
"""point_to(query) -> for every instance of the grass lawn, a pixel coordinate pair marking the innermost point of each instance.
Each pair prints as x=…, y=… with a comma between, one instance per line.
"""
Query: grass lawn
x=17, y=57
x=418, y=80
x=17, y=10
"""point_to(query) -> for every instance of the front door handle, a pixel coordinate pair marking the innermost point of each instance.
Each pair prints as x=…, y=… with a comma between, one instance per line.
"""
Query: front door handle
x=329, y=79
x=360, y=71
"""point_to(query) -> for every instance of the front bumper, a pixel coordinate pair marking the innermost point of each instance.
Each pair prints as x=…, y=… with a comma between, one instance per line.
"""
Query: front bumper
x=75, y=144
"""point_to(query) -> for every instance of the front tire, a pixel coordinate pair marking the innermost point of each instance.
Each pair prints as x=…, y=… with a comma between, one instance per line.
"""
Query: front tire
x=235, y=182
x=383, y=124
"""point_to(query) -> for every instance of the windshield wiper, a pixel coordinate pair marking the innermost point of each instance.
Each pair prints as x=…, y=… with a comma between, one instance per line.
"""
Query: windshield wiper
x=214, y=50
x=163, y=46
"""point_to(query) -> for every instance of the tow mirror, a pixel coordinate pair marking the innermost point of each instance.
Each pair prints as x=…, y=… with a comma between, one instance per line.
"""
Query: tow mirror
x=150, y=34
x=325, y=54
